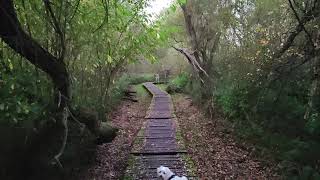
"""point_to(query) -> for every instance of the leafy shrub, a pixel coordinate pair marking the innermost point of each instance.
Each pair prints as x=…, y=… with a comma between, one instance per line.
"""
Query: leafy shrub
x=178, y=84
x=113, y=93
x=233, y=101
x=139, y=78
x=313, y=125
x=121, y=84
x=272, y=118
x=24, y=98
x=194, y=88
x=117, y=91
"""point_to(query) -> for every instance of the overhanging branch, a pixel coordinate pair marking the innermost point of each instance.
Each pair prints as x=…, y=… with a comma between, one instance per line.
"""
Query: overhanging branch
x=192, y=60
x=300, y=22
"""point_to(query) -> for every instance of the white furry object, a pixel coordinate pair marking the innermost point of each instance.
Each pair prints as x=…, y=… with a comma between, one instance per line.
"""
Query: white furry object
x=165, y=173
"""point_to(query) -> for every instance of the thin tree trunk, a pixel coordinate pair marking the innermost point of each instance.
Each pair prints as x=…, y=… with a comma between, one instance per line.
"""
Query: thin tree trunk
x=191, y=31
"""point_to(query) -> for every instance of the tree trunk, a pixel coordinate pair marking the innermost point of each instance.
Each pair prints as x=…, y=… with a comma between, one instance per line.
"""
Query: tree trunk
x=191, y=31
x=12, y=33
x=199, y=53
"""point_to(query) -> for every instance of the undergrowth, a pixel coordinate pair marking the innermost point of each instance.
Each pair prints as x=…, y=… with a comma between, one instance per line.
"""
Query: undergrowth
x=178, y=84
x=270, y=120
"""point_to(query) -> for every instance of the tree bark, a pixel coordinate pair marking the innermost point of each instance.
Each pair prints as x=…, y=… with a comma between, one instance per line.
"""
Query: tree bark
x=191, y=31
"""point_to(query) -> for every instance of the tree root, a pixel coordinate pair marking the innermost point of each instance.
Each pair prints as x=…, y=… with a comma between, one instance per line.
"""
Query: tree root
x=65, y=136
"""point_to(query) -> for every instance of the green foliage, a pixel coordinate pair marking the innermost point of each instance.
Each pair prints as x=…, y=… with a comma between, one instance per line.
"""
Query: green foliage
x=141, y=91
x=123, y=37
x=178, y=84
x=139, y=78
x=25, y=97
x=120, y=85
x=313, y=125
x=233, y=100
x=117, y=92
x=181, y=2
x=305, y=153
x=272, y=119
x=194, y=87
x=26, y=104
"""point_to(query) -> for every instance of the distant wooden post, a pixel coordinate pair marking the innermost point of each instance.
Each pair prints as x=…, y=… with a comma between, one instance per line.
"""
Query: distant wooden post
x=157, y=76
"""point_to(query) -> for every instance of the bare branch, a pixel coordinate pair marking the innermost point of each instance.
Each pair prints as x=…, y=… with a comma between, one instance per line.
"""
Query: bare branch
x=299, y=21
x=56, y=27
x=75, y=11
x=309, y=15
x=192, y=60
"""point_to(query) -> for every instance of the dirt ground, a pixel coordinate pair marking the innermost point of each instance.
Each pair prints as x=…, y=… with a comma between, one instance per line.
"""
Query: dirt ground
x=213, y=148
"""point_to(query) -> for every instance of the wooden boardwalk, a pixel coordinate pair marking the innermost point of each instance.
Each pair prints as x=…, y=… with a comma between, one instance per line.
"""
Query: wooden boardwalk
x=158, y=140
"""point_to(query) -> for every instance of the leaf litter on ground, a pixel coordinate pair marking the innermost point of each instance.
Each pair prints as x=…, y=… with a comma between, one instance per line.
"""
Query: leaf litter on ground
x=112, y=158
x=213, y=148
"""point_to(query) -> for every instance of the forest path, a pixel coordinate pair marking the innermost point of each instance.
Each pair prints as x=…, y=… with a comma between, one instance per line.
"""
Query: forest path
x=158, y=142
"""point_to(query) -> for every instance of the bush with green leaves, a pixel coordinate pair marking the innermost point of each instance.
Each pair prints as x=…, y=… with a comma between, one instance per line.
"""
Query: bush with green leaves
x=139, y=78
x=313, y=125
x=25, y=97
x=178, y=84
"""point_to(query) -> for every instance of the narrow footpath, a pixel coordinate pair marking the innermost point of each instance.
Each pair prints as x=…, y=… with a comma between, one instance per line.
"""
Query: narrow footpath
x=157, y=143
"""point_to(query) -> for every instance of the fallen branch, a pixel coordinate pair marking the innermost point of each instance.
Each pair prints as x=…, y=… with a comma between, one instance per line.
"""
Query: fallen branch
x=130, y=94
x=130, y=99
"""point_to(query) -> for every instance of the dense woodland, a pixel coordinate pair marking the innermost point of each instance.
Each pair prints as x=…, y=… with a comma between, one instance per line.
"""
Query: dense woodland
x=65, y=64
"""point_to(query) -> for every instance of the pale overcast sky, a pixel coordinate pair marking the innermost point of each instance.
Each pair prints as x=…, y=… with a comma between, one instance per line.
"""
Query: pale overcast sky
x=156, y=6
